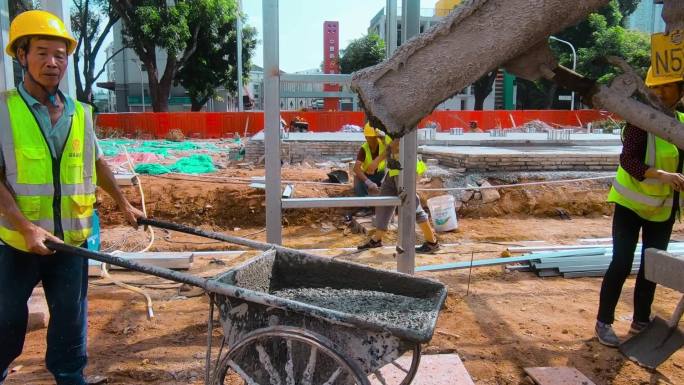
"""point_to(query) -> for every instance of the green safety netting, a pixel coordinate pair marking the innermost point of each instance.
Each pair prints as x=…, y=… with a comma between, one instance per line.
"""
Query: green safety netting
x=194, y=164
x=113, y=147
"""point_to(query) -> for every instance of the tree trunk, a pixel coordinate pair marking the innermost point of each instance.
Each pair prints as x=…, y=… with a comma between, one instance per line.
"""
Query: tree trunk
x=550, y=96
x=482, y=88
x=197, y=105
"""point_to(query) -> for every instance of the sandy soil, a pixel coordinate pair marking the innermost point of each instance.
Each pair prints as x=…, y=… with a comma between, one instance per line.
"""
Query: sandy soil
x=500, y=324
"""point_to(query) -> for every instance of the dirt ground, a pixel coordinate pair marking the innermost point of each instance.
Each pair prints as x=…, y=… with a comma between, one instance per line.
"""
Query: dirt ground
x=499, y=324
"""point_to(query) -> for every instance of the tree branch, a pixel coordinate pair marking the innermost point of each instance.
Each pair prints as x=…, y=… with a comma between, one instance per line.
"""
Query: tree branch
x=104, y=65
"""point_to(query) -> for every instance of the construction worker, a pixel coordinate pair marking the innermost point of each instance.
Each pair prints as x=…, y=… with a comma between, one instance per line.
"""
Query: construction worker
x=369, y=168
x=383, y=215
x=647, y=196
x=50, y=166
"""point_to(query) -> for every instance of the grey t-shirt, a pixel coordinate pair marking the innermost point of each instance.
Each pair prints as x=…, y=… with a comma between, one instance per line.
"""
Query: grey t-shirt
x=55, y=135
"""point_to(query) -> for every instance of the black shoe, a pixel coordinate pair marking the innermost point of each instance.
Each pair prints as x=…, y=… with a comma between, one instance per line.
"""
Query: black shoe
x=371, y=244
x=606, y=336
x=427, y=248
x=637, y=326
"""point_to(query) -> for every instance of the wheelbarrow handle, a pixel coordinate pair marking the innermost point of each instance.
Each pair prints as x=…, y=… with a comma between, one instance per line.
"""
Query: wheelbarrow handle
x=209, y=234
x=128, y=264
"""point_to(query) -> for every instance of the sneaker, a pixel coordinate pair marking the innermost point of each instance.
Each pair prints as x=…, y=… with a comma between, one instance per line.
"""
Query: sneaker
x=427, y=248
x=606, y=336
x=638, y=326
x=371, y=244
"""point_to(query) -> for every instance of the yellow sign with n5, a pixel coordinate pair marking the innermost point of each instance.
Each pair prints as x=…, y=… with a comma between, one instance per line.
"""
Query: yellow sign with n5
x=667, y=56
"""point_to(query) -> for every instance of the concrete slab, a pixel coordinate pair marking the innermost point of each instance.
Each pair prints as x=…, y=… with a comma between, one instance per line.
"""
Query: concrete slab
x=39, y=315
x=438, y=369
x=557, y=376
x=527, y=151
x=665, y=269
x=467, y=139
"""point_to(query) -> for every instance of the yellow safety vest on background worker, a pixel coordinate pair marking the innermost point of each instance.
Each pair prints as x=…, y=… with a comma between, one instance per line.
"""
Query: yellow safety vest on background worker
x=421, y=167
x=650, y=199
x=383, y=143
x=48, y=189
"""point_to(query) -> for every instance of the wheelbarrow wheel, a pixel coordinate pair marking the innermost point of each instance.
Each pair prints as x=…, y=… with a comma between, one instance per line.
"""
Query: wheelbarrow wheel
x=287, y=356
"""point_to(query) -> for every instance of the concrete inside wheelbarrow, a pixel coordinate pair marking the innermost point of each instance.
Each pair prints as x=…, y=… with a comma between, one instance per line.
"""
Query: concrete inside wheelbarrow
x=372, y=316
x=383, y=299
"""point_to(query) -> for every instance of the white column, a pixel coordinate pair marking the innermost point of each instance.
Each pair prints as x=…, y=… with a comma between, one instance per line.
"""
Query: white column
x=61, y=9
x=241, y=106
x=7, y=73
x=272, y=121
x=406, y=258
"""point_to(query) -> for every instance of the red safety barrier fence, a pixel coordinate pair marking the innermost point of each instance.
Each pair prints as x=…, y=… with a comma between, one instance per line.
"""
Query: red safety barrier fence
x=226, y=124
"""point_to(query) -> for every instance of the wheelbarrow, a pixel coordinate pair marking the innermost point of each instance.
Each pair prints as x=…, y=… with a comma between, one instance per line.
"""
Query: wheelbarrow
x=290, y=317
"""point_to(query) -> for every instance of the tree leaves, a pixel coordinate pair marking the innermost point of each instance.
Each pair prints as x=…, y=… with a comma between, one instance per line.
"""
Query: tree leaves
x=363, y=52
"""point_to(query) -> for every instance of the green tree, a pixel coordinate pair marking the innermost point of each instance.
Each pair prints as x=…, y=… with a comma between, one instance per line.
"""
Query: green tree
x=215, y=63
x=91, y=22
x=363, y=52
x=598, y=36
x=172, y=26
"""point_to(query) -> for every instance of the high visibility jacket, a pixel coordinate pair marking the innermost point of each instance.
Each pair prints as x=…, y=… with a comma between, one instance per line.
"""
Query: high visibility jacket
x=55, y=193
x=421, y=167
x=650, y=199
x=383, y=143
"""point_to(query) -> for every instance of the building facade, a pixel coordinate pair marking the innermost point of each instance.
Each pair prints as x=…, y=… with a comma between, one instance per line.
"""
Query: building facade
x=647, y=18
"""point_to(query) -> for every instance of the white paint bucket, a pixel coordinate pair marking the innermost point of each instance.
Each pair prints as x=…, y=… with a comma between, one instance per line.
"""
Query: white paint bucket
x=443, y=213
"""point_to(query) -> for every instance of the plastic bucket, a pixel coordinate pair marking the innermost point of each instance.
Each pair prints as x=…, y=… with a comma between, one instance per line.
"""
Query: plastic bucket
x=443, y=213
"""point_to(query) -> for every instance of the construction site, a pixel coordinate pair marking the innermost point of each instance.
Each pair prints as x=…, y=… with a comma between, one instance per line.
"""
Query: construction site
x=246, y=267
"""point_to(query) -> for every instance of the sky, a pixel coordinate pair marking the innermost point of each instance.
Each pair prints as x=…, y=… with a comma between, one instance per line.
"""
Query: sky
x=301, y=27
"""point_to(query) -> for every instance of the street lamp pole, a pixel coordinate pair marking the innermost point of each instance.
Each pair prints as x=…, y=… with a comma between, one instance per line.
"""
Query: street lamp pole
x=142, y=85
x=574, y=64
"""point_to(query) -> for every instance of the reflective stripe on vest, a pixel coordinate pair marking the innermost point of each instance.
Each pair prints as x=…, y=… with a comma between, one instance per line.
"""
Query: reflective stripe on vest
x=650, y=199
x=47, y=189
x=382, y=143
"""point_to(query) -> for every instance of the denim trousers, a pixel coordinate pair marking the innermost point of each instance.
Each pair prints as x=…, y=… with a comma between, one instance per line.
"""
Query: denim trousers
x=65, y=282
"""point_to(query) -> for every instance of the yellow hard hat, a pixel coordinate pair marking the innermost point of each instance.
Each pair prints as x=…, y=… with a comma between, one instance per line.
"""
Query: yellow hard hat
x=38, y=23
x=653, y=81
x=369, y=131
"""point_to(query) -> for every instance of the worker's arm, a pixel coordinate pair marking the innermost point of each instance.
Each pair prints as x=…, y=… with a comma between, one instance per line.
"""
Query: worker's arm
x=358, y=171
x=674, y=179
x=106, y=180
x=34, y=236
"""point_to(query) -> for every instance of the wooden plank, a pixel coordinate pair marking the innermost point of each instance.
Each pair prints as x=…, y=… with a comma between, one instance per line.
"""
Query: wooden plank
x=434, y=369
x=505, y=261
x=558, y=376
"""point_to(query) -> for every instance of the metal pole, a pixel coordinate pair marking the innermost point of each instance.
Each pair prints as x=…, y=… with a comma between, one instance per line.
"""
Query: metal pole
x=574, y=64
x=240, y=91
x=391, y=26
x=272, y=121
x=7, y=74
x=142, y=85
x=61, y=9
x=406, y=258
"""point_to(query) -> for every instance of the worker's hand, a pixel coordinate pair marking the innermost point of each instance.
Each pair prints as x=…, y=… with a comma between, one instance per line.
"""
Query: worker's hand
x=35, y=238
x=372, y=187
x=372, y=167
x=674, y=179
x=131, y=214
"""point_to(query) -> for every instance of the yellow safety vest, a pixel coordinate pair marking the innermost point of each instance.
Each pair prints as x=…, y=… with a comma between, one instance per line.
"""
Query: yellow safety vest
x=650, y=199
x=383, y=143
x=56, y=194
x=421, y=167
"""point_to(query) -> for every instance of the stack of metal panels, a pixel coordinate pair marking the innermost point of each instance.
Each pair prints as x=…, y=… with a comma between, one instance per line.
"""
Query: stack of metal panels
x=578, y=260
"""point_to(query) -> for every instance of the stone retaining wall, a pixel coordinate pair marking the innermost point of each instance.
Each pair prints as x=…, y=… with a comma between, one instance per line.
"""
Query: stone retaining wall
x=528, y=162
x=298, y=151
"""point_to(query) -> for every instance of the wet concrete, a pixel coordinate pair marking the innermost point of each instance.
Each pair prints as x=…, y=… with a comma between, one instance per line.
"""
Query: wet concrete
x=373, y=306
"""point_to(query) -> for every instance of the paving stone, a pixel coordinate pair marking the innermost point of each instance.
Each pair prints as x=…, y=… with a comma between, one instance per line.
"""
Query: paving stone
x=39, y=316
x=434, y=369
